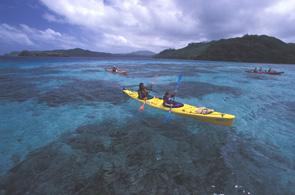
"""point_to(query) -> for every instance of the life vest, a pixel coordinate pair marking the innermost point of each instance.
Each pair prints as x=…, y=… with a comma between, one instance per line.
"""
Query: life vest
x=143, y=93
x=168, y=100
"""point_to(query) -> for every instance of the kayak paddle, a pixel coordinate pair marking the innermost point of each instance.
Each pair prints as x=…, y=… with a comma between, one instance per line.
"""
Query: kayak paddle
x=154, y=79
x=167, y=118
x=142, y=107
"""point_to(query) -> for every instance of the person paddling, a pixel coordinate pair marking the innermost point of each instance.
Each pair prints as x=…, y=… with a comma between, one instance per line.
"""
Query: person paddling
x=167, y=98
x=168, y=101
x=143, y=93
x=114, y=69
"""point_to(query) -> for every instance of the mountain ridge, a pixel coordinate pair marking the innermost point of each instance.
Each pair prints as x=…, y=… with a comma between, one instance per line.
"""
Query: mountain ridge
x=78, y=52
x=249, y=48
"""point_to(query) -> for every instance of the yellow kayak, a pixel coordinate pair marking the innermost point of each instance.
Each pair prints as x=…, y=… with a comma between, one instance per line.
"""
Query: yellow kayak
x=188, y=111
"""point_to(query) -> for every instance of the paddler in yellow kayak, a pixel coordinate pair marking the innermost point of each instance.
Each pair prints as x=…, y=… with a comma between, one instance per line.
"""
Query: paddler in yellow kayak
x=143, y=93
x=168, y=101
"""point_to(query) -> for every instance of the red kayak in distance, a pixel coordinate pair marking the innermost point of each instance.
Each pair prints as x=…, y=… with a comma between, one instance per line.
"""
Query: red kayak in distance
x=251, y=71
x=117, y=71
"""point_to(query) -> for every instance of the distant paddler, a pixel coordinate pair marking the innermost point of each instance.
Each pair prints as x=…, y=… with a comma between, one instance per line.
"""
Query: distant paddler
x=114, y=69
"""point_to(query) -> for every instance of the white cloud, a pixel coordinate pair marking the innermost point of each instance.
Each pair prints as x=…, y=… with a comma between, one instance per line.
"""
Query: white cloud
x=109, y=39
x=282, y=7
x=32, y=38
x=53, y=18
x=13, y=35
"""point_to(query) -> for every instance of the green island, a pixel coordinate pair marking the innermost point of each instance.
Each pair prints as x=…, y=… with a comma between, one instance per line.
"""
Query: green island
x=249, y=48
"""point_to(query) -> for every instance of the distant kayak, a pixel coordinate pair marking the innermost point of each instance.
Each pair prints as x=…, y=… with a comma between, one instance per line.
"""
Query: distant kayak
x=251, y=71
x=186, y=110
x=117, y=71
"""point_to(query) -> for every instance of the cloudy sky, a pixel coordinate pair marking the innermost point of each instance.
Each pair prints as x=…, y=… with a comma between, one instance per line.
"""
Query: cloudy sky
x=122, y=26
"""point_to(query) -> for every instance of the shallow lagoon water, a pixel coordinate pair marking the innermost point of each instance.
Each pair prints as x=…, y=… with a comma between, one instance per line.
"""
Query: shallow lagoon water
x=67, y=128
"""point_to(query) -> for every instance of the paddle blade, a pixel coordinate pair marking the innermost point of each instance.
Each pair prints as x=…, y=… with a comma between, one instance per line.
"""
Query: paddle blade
x=167, y=118
x=141, y=108
x=179, y=78
x=155, y=78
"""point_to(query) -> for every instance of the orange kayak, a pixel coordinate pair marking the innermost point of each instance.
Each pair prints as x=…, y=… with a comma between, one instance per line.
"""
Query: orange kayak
x=117, y=71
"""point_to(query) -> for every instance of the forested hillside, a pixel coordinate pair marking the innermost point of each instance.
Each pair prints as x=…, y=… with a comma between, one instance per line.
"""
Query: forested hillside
x=249, y=48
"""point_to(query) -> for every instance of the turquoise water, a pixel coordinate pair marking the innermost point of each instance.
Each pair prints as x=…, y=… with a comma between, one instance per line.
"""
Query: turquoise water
x=67, y=128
